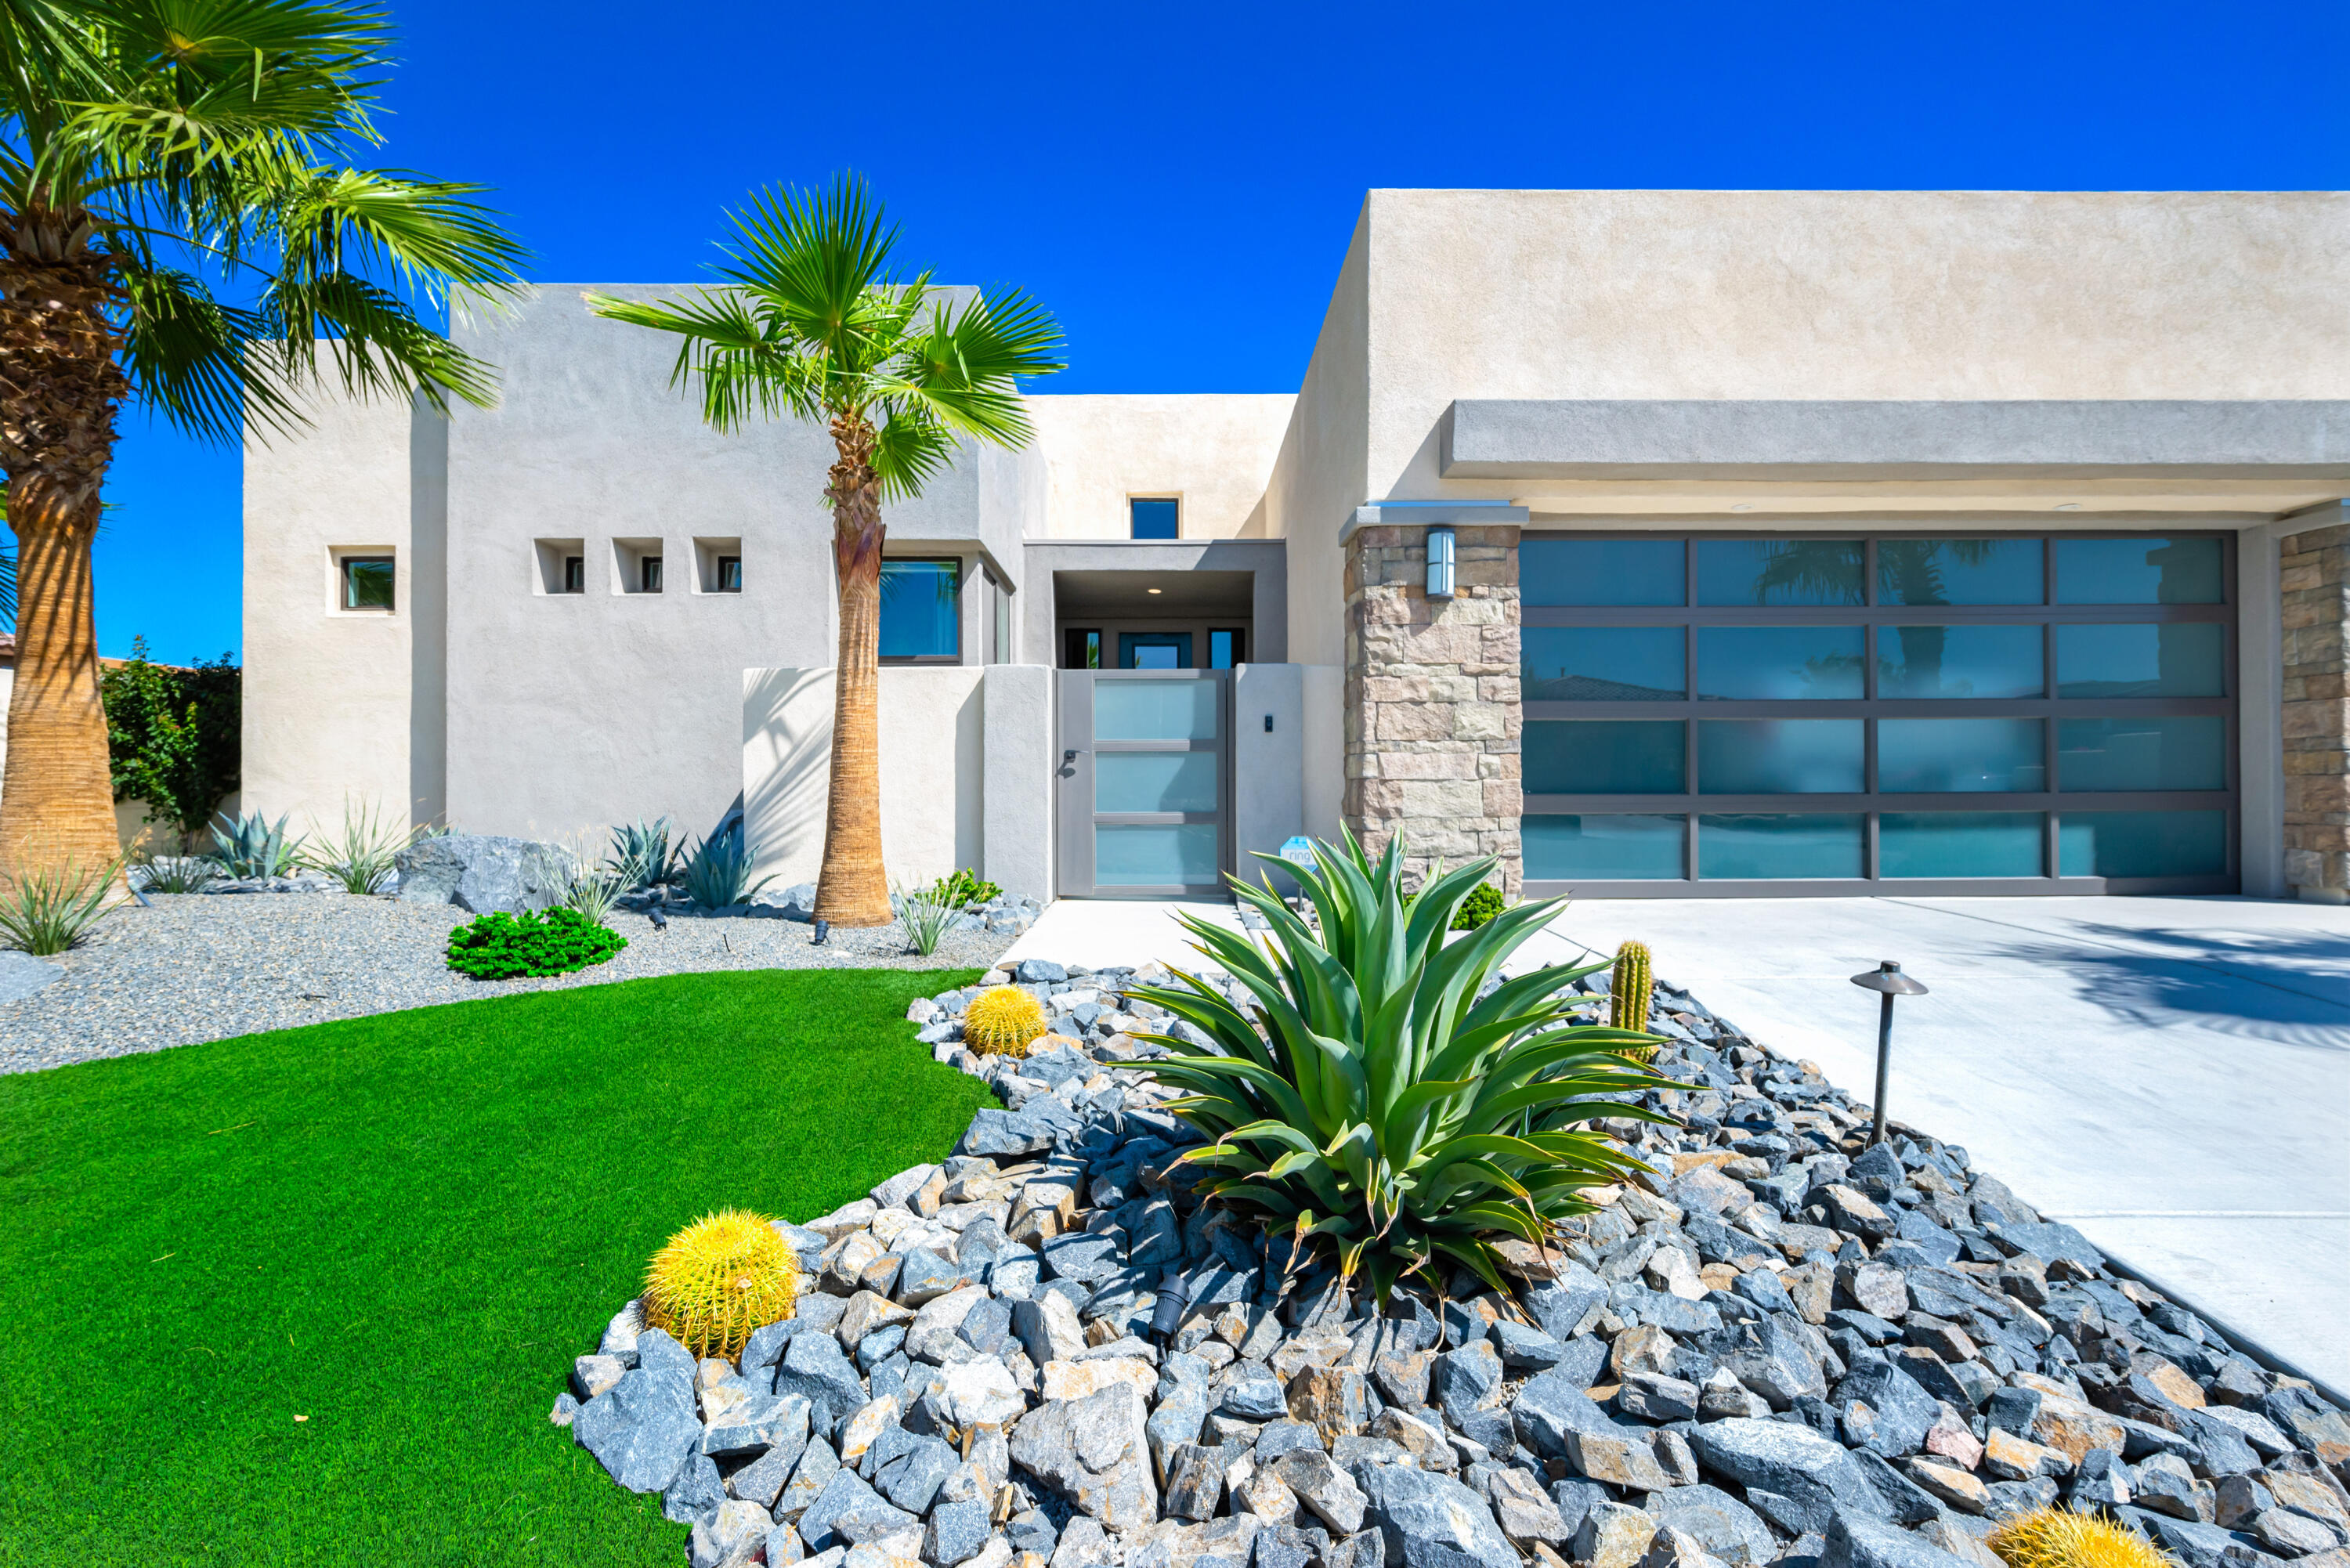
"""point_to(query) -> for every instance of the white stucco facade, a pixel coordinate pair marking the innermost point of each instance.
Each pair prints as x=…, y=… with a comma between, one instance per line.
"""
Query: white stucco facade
x=1685, y=362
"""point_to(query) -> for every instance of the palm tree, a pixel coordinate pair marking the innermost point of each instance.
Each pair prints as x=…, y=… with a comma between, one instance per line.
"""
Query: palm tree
x=150, y=150
x=813, y=322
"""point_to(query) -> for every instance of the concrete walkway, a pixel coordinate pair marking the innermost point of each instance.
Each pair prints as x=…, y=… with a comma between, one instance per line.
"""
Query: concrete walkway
x=2172, y=1075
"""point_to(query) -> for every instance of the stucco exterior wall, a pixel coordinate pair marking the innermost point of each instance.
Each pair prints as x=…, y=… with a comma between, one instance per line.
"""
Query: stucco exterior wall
x=1320, y=474
x=1215, y=451
x=932, y=770
x=331, y=703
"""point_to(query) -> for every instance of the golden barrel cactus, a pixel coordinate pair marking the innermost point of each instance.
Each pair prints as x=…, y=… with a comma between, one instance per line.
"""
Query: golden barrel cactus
x=2057, y=1538
x=718, y=1279
x=1002, y=1022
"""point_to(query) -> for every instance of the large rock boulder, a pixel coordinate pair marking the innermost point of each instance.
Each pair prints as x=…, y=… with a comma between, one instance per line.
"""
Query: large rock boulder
x=480, y=873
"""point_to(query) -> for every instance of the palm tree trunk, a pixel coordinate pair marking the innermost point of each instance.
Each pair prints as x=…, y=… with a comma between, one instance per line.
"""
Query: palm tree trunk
x=59, y=387
x=57, y=800
x=853, y=888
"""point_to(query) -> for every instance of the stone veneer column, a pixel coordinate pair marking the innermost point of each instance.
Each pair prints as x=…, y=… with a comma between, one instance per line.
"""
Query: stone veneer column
x=1432, y=708
x=2315, y=583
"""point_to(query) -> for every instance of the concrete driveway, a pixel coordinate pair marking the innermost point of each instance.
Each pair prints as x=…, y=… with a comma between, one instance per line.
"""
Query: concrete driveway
x=2171, y=1075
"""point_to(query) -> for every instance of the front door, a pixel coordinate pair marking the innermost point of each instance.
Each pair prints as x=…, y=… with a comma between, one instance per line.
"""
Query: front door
x=1144, y=782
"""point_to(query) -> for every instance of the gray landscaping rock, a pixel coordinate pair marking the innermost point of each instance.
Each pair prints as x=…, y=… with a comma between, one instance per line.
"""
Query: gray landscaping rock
x=955, y=1532
x=814, y=1368
x=1904, y=1411
x=694, y=1493
x=1431, y=1520
x=480, y=873
x=1095, y=1453
x=641, y=1430
x=1817, y=1480
x=21, y=974
x=847, y=1512
x=1872, y=1543
x=1716, y=1520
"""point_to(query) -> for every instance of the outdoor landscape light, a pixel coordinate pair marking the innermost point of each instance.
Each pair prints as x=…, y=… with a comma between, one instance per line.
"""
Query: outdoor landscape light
x=1887, y=981
x=1440, y=563
x=823, y=930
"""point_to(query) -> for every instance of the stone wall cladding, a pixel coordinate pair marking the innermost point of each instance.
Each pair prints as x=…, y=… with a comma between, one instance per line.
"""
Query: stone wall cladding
x=2316, y=593
x=1432, y=707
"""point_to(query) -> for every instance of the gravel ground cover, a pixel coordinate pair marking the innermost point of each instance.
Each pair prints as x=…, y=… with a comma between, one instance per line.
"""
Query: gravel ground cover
x=294, y=1298
x=1780, y=1347
x=208, y=968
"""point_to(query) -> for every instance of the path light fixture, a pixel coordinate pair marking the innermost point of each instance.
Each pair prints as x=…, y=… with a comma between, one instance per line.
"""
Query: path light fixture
x=823, y=930
x=1887, y=981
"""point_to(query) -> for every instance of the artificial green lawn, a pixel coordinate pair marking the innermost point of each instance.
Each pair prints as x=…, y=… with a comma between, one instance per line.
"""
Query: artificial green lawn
x=404, y=1228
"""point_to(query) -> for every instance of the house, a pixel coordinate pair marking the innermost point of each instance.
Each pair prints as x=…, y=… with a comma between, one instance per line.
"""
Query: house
x=1657, y=543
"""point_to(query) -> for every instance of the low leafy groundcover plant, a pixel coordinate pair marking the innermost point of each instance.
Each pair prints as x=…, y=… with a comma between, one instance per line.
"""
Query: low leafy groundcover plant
x=1485, y=901
x=543, y=941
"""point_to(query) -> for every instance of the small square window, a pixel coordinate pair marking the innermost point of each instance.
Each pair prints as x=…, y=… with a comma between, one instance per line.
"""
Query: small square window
x=636, y=566
x=921, y=610
x=1155, y=517
x=562, y=566
x=717, y=564
x=367, y=582
x=1227, y=647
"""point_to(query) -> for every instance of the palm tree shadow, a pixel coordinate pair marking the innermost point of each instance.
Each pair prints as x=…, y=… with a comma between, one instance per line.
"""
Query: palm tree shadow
x=2289, y=988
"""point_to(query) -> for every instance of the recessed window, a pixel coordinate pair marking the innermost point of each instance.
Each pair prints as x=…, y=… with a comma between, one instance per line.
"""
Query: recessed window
x=1155, y=517
x=636, y=566
x=367, y=582
x=1227, y=647
x=562, y=566
x=730, y=574
x=718, y=566
x=1081, y=648
x=921, y=611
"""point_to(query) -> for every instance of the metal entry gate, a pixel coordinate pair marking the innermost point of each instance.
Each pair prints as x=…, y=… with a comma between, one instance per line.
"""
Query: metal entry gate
x=1145, y=783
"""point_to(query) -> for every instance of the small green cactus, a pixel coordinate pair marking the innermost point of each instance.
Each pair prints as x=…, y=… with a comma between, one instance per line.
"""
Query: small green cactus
x=1629, y=987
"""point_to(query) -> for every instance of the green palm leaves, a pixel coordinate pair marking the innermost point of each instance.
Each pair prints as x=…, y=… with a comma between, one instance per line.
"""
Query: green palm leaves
x=1392, y=1096
x=813, y=322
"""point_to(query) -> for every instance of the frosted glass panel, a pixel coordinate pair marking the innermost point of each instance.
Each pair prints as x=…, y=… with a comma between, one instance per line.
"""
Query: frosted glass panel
x=1605, y=756
x=1601, y=571
x=1959, y=572
x=1779, y=847
x=2182, y=658
x=1960, y=843
x=1180, y=856
x=1154, y=710
x=2142, y=754
x=1779, y=571
x=1603, y=663
x=2139, y=572
x=1779, y=756
x=2142, y=843
x=1959, y=661
x=1606, y=848
x=1780, y=663
x=1154, y=781
x=1991, y=755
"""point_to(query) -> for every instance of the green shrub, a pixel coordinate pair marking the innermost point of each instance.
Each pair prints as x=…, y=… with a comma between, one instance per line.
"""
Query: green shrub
x=964, y=888
x=544, y=941
x=1485, y=901
x=1394, y=1110
x=173, y=735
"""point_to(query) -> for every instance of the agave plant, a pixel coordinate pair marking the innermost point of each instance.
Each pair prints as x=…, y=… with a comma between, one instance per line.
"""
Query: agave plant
x=927, y=912
x=1393, y=1100
x=363, y=852
x=252, y=846
x=718, y=872
x=641, y=853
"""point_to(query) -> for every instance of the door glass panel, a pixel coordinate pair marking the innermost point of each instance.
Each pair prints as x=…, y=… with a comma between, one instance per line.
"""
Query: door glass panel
x=1603, y=663
x=1959, y=572
x=1601, y=571
x=1959, y=661
x=2142, y=754
x=1154, y=781
x=1779, y=847
x=2142, y=843
x=1154, y=710
x=2140, y=572
x=1779, y=571
x=1921, y=756
x=1960, y=843
x=1606, y=756
x=2184, y=658
x=1779, y=756
x=1606, y=848
x=1780, y=663
x=1154, y=651
x=1179, y=855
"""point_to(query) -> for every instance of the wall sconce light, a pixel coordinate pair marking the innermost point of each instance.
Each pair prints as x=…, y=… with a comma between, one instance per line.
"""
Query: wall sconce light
x=1440, y=563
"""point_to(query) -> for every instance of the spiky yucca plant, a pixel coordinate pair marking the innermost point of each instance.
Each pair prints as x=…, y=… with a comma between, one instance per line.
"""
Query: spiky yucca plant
x=721, y=1277
x=1629, y=988
x=2057, y=1538
x=1393, y=1108
x=1002, y=1022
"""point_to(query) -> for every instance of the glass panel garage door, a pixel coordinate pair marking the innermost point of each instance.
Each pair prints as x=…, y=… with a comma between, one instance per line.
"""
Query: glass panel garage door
x=1835, y=715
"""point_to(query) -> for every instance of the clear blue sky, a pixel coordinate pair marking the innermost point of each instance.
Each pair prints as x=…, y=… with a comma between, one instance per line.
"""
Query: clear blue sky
x=1178, y=183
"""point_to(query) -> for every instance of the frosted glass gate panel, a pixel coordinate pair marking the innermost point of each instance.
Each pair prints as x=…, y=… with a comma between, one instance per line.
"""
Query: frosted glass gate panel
x=1145, y=783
